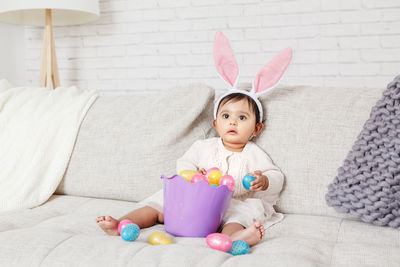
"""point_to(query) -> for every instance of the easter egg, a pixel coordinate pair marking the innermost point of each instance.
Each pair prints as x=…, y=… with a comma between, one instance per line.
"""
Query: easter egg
x=187, y=174
x=122, y=224
x=158, y=238
x=210, y=170
x=219, y=242
x=130, y=232
x=247, y=179
x=228, y=181
x=214, y=177
x=239, y=247
x=198, y=177
x=214, y=185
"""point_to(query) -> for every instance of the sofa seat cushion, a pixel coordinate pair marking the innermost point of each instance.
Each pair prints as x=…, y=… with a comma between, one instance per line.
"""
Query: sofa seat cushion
x=63, y=232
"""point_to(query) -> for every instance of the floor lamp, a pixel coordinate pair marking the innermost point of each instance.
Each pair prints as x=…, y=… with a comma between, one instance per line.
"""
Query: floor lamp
x=49, y=13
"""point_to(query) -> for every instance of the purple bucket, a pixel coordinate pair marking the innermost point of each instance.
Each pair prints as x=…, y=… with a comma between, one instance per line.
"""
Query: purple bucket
x=193, y=210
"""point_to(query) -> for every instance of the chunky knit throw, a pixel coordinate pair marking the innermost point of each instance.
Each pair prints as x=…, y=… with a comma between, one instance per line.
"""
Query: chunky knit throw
x=368, y=184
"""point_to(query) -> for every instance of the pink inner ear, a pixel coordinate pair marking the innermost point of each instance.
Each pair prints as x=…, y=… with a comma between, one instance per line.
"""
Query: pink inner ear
x=224, y=58
x=272, y=72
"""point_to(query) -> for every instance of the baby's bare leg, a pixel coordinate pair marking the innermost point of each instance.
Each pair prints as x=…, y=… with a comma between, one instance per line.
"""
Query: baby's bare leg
x=144, y=217
x=232, y=228
x=251, y=235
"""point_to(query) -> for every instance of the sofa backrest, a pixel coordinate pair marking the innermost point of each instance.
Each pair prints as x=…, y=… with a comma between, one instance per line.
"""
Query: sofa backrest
x=308, y=133
x=127, y=142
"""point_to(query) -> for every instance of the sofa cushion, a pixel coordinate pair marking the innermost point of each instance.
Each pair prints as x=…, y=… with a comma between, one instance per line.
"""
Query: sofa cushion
x=63, y=232
x=368, y=183
x=127, y=142
x=308, y=132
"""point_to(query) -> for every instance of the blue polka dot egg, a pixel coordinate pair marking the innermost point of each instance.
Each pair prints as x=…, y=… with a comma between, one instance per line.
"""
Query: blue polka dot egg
x=130, y=232
x=239, y=247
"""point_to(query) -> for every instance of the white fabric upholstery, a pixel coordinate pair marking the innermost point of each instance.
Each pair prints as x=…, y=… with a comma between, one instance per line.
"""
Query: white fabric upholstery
x=63, y=232
x=126, y=143
x=308, y=132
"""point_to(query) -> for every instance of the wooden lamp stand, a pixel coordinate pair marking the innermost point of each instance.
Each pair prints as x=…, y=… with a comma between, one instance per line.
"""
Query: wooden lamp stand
x=49, y=69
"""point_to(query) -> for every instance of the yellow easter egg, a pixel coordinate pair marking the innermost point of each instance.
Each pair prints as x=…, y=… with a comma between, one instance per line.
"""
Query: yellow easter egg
x=187, y=174
x=158, y=238
x=214, y=177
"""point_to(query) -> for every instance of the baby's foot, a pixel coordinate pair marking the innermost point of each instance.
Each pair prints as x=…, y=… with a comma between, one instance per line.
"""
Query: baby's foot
x=108, y=224
x=252, y=235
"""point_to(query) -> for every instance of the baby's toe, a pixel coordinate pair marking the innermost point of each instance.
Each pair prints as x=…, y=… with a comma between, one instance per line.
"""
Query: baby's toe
x=262, y=231
x=257, y=224
x=100, y=219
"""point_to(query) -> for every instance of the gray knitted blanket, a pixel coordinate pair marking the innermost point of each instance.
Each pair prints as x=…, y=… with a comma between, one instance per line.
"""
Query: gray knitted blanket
x=368, y=184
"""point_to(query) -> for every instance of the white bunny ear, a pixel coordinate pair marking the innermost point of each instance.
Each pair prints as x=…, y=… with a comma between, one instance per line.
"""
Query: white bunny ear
x=270, y=75
x=225, y=61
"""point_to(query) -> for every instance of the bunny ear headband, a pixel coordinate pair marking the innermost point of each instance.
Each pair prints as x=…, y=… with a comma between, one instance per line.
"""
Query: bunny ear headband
x=266, y=79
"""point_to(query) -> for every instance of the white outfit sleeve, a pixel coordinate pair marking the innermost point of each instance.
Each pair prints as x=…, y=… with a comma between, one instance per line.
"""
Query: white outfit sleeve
x=275, y=177
x=189, y=160
x=270, y=196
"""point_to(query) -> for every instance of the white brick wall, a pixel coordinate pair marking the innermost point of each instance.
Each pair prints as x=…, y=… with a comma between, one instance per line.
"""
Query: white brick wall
x=141, y=45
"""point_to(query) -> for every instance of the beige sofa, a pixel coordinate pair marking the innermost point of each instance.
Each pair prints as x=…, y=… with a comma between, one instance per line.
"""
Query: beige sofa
x=125, y=143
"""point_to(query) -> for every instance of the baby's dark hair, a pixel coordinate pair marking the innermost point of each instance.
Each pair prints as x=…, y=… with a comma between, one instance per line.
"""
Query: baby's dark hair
x=237, y=97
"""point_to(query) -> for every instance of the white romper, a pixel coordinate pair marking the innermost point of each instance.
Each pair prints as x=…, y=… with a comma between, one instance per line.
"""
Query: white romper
x=245, y=206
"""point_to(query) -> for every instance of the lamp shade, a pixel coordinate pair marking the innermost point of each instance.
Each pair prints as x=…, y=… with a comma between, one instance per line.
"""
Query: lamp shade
x=64, y=12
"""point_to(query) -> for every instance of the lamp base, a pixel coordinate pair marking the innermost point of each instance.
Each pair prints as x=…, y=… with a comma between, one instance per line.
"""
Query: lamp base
x=49, y=69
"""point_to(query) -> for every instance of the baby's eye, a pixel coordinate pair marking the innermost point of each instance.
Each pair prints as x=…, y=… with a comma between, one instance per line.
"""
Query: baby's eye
x=225, y=116
x=242, y=118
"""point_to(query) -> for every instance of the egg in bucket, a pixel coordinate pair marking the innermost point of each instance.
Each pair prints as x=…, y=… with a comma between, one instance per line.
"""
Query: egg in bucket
x=193, y=209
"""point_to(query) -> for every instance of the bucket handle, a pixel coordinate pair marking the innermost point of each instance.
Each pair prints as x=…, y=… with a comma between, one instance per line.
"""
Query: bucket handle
x=165, y=177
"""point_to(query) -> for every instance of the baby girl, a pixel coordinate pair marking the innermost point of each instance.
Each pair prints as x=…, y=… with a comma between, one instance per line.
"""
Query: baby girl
x=238, y=116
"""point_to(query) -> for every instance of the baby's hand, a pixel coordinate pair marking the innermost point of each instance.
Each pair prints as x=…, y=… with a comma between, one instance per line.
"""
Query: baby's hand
x=261, y=182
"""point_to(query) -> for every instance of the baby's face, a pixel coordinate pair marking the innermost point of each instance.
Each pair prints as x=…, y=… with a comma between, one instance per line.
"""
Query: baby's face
x=236, y=122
